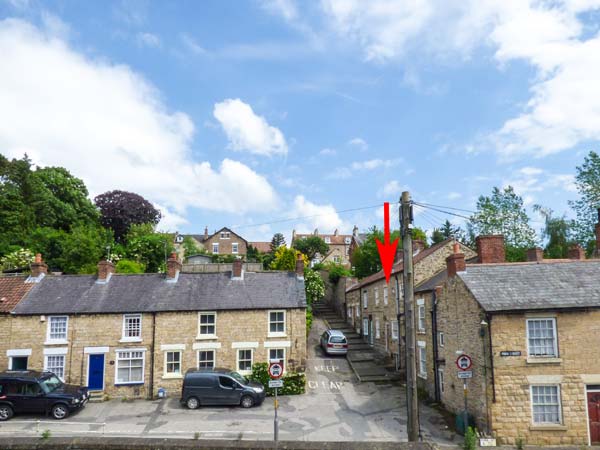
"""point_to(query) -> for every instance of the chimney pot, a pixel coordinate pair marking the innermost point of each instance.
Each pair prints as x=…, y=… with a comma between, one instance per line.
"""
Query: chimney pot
x=300, y=265
x=173, y=267
x=455, y=263
x=38, y=267
x=236, y=271
x=490, y=249
x=105, y=269
x=418, y=246
x=535, y=254
x=576, y=252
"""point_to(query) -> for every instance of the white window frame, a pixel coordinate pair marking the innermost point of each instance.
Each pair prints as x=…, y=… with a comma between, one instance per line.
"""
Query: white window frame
x=394, y=330
x=237, y=360
x=49, y=339
x=327, y=240
x=235, y=248
x=349, y=312
x=376, y=295
x=214, y=357
x=269, y=350
x=441, y=339
x=215, y=246
x=124, y=337
x=337, y=259
x=377, y=329
x=554, y=332
x=385, y=295
x=421, y=323
x=441, y=380
x=225, y=235
x=47, y=367
x=422, y=349
x=357, y=310
x=365, y=327
x=276, y=333
x=559, y=404
x=365, y=299
x=118, y=359
x=178, y=374
x=200, y=325
x=347, y=240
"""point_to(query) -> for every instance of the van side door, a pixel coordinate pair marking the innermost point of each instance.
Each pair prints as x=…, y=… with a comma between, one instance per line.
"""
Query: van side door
x=230, y=392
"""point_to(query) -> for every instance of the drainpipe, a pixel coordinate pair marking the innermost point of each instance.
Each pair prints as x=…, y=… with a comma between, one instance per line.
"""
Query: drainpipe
x=151, y=394
x=398, y=315
x=489, y=321
x=434, y=339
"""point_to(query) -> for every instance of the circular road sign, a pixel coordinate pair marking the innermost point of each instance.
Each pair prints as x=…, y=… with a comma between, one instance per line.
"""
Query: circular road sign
x=275, y=370
x=463, y=362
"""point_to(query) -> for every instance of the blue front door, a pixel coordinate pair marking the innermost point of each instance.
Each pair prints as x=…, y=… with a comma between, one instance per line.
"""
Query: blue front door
x=96, y=373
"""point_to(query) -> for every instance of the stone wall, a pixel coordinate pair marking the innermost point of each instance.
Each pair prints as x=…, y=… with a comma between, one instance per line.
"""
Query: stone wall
x=424, y=339
x=225, y=244
x=5, y=324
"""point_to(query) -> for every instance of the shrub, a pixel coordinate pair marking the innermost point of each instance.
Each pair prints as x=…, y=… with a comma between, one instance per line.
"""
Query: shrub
x=470, y=442
x=129, y=266
x=293, y=382
x=337, y=271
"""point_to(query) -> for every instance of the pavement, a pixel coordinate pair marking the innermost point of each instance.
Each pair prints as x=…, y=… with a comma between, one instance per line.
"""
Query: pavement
x=336, y=407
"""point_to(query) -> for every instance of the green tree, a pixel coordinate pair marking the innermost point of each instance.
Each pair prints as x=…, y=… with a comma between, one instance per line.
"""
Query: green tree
x=277, y=241
x=129, y=266
x=556, y=231
x=587, y=182
x=285, y=259
x=82, y=248
x=335, y=271
x=311, y=246
x=19, y=259
x=446, y=231
x=437, y=236
x=148, y=247
x=253, y=254
x=503, y=213
x=315, y=291
x=190, y=248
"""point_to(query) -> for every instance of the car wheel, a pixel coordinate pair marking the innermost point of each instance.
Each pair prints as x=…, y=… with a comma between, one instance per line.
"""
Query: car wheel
x=192, y=403
x=60, y=411
x=6, y=412
x=247, y=401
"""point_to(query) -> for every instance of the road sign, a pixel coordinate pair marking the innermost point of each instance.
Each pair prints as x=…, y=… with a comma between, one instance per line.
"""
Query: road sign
x=275, y=383
x=463, y=362
x=276, y=370
x=465, y=374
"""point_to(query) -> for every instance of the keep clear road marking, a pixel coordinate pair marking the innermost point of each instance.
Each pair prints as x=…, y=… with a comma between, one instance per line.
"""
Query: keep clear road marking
x=331, y=385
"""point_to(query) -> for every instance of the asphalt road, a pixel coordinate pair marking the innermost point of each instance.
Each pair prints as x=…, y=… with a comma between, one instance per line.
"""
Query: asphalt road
x=335, y=408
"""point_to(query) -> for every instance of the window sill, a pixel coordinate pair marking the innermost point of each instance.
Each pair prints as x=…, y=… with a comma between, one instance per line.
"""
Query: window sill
x=276, y=335
x=421, y=332
x=172, y=376
x=543, y=360
x=131, y=383
x=423, y=377
x=57, y=342
x=206, y=337
x=549, y=427
x=126, y=340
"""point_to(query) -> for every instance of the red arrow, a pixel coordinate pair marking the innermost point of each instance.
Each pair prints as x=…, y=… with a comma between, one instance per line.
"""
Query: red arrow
x=387, y=251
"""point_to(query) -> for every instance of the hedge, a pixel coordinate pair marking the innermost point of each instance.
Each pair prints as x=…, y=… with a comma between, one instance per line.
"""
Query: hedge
x=293, y=382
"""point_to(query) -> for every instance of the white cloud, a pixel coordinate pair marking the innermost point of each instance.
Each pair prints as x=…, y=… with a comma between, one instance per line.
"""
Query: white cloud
x=529, y=182
x=392, y=188
x=549, y=35
x=110, y=128
x=360, y=143
x=453, y=195
x=285, y=8
x=191, y=44
x=148, y=40
x=323, y=217
x=342, y=173
x=247, y=131
x=328, y=152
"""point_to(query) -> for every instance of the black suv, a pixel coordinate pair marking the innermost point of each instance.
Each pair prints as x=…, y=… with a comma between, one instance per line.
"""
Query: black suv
x=38, y=392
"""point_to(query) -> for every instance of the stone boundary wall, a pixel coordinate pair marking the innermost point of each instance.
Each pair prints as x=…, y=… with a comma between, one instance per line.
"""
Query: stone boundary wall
x=114, y=443
x=335, y=294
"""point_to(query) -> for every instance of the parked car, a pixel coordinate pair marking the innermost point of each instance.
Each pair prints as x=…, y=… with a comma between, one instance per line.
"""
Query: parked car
x=333, y=342
x=220, y=387
x=38, y=392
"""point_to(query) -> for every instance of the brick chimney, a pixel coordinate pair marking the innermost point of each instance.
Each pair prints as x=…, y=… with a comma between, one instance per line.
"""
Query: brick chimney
x=105, y=270
x=236, y=271
x=576, y=252
x=355, y=231
x=418, y=246
x=300, y=266
x=535, y=254
x=205, y=233
x=38, y=268
x=490, y=249
x=173, y=267
x=456, y=262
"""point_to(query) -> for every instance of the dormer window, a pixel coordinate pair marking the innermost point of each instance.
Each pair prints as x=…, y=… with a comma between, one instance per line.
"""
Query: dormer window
x=327, y=240
x=225, y=235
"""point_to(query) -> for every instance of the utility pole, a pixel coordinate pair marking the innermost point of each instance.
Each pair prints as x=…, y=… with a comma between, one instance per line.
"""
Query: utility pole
x=412, y=402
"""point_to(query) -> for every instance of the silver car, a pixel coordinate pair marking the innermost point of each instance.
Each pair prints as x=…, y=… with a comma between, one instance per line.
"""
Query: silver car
x=333, y=342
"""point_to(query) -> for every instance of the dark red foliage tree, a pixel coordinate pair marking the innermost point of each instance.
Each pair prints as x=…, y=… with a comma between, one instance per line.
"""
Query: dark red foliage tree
x=120, y=209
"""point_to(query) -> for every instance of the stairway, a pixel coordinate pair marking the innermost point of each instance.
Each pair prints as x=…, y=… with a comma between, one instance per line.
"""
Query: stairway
x=96, y=396
x=361, y=356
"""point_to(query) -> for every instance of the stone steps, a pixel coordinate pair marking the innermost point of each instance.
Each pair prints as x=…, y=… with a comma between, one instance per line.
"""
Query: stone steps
x=96, y=396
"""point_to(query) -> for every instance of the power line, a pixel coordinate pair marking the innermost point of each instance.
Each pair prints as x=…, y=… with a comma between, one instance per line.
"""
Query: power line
x=442, y=211
x=446, y=207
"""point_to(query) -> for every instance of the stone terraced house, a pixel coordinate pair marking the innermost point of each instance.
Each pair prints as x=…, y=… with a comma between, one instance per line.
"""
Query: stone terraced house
x=532, y=331
x=221, y=242
x=129, y=335
x=339, y=246
x=371, y=305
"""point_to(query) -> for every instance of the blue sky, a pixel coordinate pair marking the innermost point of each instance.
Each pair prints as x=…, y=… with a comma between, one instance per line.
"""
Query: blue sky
x=240, y=113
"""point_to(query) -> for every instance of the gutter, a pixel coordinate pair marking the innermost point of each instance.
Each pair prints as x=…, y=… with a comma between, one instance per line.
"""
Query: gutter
x=151, y=393
x=489, y=321
x=436, y=381
x=398, y=316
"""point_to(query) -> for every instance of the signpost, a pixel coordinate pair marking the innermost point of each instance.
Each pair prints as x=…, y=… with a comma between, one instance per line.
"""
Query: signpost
x=464, y=363
x=275, y=372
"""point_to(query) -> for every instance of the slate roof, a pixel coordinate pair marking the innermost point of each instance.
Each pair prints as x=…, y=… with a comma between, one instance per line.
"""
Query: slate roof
x=12, y=290
x=431, y=283
x=531, y=286
x=360, y=238
x=80, y=294
x=334, y=239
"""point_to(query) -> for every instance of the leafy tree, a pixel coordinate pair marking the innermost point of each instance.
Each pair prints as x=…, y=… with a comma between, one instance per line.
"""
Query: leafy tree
x=18, y=259
x=129, y=266
x=253, y=254
x=147, y=247
x=556, y=230
x=437, y=236
x=503, y=213
x=446, y=231
x=285, y=259
x=311, y=246
x=190, y=248
x=315, y=291
x=277, y=241
x=587, y=182
x=120, y=210
x=82, y=248
x=335, y=271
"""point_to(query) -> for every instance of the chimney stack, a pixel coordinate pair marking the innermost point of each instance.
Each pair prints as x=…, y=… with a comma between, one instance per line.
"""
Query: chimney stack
x=205, y=233
x=236, y=271
x=173, y=267
x=355, y=231
x=535, y=254
x=490, y=249
x=456, y=262
x=38, y=267
x=300, y=266
x=105, y=270
x=576, y=252
x=418, y=246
